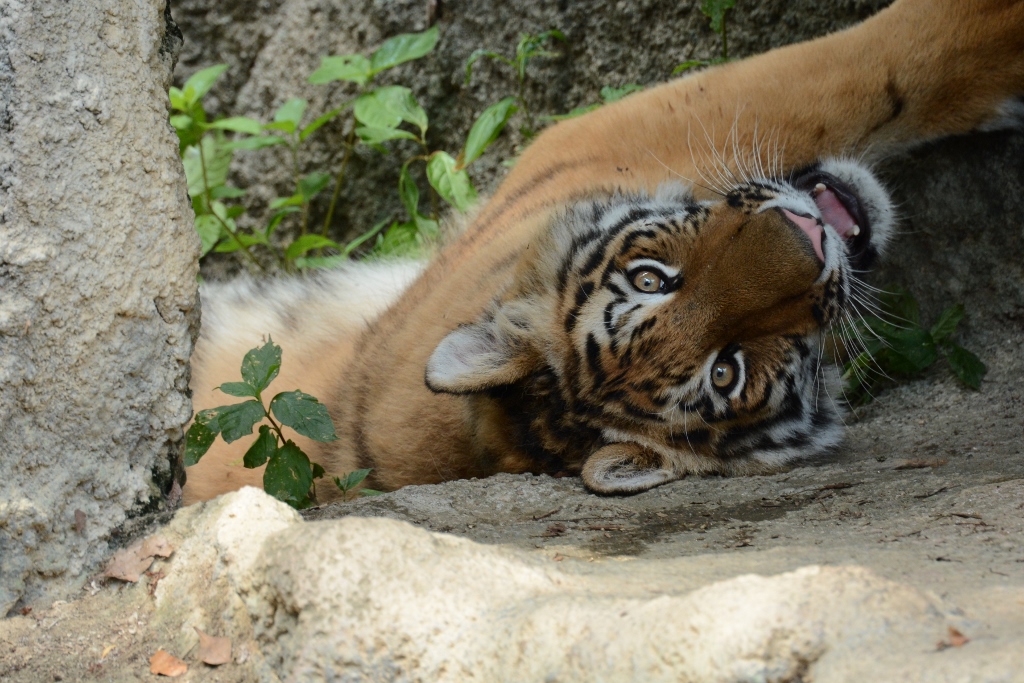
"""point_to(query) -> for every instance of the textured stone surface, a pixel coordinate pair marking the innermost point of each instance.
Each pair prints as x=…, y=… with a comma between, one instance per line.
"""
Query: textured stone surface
x=97, y=283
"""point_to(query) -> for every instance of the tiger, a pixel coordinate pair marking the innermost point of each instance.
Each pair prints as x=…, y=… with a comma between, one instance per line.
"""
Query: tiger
x=647, y=294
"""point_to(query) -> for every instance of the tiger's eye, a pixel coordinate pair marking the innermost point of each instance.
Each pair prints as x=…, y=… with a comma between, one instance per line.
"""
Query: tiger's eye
x=647, y=281
x=722, y=374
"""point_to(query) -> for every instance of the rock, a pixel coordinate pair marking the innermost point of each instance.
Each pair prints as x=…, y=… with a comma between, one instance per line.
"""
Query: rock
x=97, y=284
x=374, y=598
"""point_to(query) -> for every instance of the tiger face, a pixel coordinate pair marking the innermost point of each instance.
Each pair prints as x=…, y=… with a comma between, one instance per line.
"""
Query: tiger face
x=647, y=337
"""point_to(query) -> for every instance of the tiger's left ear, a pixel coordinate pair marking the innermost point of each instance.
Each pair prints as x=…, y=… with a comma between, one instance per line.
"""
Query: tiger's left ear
x=626, y=468
x=480, y=356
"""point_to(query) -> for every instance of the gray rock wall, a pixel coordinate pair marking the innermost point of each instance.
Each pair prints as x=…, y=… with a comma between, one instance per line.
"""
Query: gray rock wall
x=98, y=301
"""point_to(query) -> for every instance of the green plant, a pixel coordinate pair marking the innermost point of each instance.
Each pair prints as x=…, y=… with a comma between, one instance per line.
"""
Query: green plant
x=528, y=48
x=349, y=483
x=717, y=12
x=895, y=345
x=207, y=153
x=373, y=116
x=289, y=475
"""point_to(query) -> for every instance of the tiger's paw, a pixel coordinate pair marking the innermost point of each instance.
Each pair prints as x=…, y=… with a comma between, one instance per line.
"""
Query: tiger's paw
x=620, y=468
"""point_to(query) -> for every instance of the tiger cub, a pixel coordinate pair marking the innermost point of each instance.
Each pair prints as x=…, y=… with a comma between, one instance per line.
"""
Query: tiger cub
x=586, y=321
x=647, y=337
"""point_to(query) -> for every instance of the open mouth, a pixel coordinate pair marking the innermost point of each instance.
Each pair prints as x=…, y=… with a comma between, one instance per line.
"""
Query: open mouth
x=841, y=208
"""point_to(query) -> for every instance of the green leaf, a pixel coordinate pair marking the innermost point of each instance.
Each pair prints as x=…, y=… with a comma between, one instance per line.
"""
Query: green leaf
x=358, y=241
x=239, y=389
x=276, y=219
x=610, y=94
x=352, y=68
x=262, y=449
x=226, y=192
x=308, y=242
x=239, y=124
x=689, y=64
x=261, y=365
x=454, y=186
x=715, y=11
x=182, y=122
x=425, y=227
x=947, y=322
x=198, y=440
x=256, y=142
x=351, y=480
x=304, y=414
x=403, y=48
x=966, y=366
x=370, y=492
x=209, y=229
x=319, y=122
x=388, y=106
x=408, y=191
x=401, y=239
x=288, y=475
x=486, y=130
x=240, y=240
x=910, y=351
x=294, y=200
x=291, y=112
x=218, y=160
x=318, y=471
x=177, y=98
x=238, y=420
x=313, y=183
x=199, y=83
x=375, y=136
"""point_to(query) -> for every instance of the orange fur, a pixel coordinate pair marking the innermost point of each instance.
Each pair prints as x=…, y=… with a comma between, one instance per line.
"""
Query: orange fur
x=919, y=70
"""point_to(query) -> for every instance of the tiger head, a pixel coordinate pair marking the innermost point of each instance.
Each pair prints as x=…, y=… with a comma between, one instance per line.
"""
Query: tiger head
x=646, y=337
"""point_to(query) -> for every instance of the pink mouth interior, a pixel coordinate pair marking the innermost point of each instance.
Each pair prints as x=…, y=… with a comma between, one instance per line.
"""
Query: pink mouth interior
x=832, y=212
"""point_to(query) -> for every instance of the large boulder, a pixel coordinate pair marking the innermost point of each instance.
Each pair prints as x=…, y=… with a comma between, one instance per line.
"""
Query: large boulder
x=377, y=599
x=98, y=305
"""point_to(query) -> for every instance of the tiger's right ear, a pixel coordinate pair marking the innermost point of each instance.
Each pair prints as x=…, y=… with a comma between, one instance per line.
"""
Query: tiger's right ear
x=480, y=356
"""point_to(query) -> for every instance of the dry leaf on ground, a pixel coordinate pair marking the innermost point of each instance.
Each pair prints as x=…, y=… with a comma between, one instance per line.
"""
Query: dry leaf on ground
x=157, y=546
x=129, y=563
x=214, y=650
x=956, y=639
x=163, y=663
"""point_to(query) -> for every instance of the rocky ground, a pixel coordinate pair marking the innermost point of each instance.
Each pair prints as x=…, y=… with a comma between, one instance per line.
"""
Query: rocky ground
x=928, y=492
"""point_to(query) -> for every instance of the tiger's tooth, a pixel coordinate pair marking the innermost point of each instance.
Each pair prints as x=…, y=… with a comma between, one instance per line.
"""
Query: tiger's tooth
x=819, y=188
x=855, y=231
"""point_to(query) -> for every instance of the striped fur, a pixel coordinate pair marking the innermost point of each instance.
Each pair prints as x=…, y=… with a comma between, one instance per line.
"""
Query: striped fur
x=539, y=364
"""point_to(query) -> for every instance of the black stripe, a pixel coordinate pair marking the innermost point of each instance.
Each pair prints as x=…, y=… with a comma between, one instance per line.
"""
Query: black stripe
x=594, y=360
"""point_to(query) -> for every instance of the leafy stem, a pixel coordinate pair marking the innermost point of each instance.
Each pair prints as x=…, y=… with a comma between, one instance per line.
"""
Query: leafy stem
x=350, y=143
x=223, y=223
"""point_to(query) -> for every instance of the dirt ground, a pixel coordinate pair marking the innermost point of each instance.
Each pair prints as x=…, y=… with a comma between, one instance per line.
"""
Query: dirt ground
x=928, y=490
